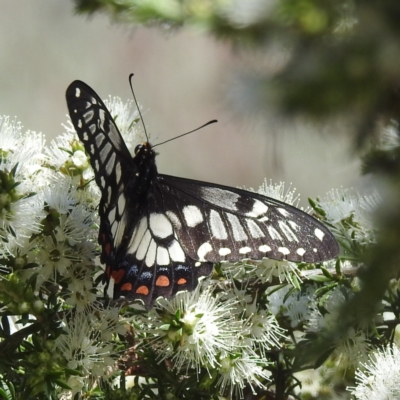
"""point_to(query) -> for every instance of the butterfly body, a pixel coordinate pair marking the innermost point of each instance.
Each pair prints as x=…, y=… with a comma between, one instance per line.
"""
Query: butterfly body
x=159, y=233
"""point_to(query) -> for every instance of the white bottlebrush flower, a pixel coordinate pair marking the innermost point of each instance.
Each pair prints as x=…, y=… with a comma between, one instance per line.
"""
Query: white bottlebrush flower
x=283, y=270
x=263, y=328
x=126, y=117
x=205, y=328
x=66, y=155
x=106, y=321
x=238, y=370
x=24, y=149
x=379, y=377
x=390, y=138
x=277, y=191
x=20, y=168
x=83, y=348
x=295, y=306
x=80, y=285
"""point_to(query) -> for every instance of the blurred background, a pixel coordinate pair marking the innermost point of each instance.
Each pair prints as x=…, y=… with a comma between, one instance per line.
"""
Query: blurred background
x=183, y=78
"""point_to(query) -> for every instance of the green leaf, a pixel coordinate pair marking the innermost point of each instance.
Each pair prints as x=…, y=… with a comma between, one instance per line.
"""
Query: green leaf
x=62, y=384
x=319, y=278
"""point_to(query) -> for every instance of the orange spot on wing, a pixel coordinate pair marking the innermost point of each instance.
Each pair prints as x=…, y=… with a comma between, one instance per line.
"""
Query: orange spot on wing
x=142, y=290
x=181, y=281
x=162, y=280
x=118, y=275
x=126, y=286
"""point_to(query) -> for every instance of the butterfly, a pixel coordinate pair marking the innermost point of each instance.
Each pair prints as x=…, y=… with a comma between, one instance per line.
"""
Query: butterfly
x=159, y=233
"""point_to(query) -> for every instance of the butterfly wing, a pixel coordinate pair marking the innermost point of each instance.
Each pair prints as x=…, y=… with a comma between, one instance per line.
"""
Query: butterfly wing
x=109, y=158
x=216, y=222
x=129, y=218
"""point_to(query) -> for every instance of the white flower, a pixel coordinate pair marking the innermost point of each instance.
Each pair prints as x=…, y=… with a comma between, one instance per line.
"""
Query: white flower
x=82, y=347
x=277, y=191
x=205, y=328
x=351, y=214
x=390, y=139
x=127, y=120
x=295, y=306
x=240, y=369
x=282, y=269
x=379, y=377
x=21, y=157
x=108, y=322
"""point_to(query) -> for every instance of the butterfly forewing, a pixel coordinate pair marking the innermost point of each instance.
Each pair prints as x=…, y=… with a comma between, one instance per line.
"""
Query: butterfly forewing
x=159, y=234
x=218, y=223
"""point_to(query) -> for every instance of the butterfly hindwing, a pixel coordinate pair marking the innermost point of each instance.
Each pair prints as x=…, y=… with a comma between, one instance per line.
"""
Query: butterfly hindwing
x=159, y=234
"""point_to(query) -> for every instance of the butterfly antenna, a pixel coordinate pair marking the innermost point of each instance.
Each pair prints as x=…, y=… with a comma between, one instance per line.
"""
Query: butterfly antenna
x=187, y=133
x=137, y=105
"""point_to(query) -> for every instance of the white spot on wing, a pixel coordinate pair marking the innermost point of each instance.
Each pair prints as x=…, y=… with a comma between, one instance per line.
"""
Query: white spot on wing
x=274, y=233
x=176, y=253
x=111, y=216
x=121, y=204
x=203, y=250
x=96, y=165
x=77, y=92
x=224, y=251
x=220, y=197
x=151, y=254
x=102, y=116
x=137, y=235
x=118, y=172
x=160, y=225
x=100, y=139
x=110, y=164
x=284, y=250
x=162, y=256
x=143, y=246
x=244, y=250
x=174, y=219
x=258, y=210
x=284, y=212
x=85, y=136
x=294, y=225
x=105, y=151
x=264, y=248
x=193, y=216
x=120, y=232
x=217, y=226
x=102, y=182
x=88, y=116
x=319, y=234
x=109, y=193
x=287, y=232
x=237, y=229
x=255, y=230
x=300, y=251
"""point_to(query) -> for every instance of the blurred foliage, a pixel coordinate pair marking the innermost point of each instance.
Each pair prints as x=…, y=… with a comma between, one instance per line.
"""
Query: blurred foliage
x=336, y=57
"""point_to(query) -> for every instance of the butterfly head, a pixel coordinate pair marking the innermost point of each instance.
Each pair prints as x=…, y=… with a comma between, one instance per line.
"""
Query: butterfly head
x=144, y=154
x=145, y=169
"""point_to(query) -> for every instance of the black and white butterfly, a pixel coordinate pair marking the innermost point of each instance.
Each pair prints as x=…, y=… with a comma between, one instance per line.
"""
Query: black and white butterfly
x=160, y=233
